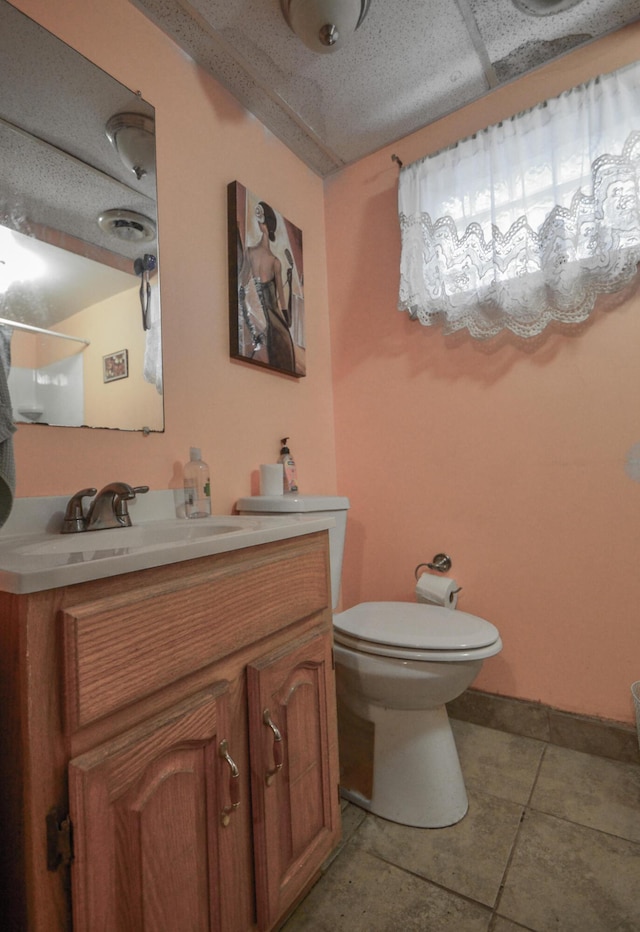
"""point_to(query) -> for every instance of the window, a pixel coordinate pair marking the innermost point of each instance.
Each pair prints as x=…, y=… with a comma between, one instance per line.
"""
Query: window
x=529, y=220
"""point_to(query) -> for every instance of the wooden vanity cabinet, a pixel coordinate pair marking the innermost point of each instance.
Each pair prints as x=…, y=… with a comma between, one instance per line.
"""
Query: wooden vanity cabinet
x=184, y=719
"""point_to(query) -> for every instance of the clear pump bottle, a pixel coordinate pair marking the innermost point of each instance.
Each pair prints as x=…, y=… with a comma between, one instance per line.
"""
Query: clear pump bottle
x=197, y=486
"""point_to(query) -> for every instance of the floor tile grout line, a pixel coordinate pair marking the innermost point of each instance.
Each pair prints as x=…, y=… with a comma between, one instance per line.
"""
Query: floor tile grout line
x=525, y=808
x=495, y=916
x=433, y=883
x=503, y=882
x=588, y=828
x=562, y=818
x=491, y=910
x=537, y=775
x=421, y=877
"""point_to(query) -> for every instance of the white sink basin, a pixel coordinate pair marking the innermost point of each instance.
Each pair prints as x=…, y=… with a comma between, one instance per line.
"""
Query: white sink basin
x=157, y=534
x=31, y=561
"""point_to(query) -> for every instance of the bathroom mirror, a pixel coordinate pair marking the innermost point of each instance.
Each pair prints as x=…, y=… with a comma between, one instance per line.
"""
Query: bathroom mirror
x=79, y=270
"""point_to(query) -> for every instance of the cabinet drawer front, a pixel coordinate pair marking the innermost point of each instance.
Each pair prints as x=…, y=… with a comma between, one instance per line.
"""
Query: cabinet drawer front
x=121, y=649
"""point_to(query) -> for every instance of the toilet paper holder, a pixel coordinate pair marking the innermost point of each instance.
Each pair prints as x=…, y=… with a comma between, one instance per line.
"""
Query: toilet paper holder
x=441, y=563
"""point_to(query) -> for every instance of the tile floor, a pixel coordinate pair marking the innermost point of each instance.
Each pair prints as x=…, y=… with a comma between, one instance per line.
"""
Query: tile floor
x=551, y=841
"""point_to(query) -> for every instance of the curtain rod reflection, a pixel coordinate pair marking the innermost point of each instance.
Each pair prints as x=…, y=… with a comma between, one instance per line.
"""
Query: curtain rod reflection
x=17, y=325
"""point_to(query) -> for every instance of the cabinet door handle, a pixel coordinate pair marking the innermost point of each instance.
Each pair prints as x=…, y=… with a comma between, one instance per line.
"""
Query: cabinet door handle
x=234, y=783
x=277, y=747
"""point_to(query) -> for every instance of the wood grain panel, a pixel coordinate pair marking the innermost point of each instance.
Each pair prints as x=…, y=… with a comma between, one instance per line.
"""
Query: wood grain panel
x=296, y=814
x=121, y=648
x=144, y=809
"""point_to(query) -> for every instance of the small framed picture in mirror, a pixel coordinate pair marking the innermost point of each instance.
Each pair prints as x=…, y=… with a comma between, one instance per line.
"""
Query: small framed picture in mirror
x=266, y=285
x=115, y=366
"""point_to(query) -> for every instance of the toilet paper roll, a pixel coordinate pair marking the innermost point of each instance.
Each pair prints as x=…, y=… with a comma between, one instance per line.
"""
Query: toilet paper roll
x=271, y=479
x=437, y=590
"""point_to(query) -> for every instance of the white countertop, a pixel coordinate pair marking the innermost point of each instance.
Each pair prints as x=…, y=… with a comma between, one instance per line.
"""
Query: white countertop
x=34, y=556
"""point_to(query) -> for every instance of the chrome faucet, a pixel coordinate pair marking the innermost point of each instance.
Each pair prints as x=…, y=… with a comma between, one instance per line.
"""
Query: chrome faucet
x=109, y=507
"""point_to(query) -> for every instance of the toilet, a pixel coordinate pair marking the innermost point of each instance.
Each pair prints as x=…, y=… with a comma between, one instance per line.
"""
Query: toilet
x=397, y=664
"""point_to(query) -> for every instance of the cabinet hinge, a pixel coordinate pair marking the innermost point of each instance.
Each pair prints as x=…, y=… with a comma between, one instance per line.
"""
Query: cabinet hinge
x=59, y=839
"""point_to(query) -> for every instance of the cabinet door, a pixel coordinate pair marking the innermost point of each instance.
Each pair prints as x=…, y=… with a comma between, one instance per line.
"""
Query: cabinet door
x=294, y=771
x=150, y=810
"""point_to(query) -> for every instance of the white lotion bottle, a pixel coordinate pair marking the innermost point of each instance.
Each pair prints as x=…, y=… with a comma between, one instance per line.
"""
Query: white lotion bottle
x=197, y=486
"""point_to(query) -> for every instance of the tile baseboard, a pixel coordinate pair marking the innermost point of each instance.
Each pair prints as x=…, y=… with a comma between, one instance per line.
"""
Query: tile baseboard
x=615, y=740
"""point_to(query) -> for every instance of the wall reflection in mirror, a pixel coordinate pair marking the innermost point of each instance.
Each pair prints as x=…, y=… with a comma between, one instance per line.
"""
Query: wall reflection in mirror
x=79, y=272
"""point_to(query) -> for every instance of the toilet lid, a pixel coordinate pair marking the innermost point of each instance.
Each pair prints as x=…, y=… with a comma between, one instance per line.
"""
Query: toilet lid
x=416, y=626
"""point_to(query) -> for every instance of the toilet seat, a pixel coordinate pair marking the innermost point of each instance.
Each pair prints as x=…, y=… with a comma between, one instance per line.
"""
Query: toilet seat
x=415, y=631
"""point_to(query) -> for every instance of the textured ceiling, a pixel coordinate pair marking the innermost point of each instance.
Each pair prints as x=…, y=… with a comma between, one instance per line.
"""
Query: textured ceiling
x=410, y=62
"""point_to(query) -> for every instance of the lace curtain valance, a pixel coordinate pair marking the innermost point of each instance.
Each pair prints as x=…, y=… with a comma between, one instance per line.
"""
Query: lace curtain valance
x=529, y=220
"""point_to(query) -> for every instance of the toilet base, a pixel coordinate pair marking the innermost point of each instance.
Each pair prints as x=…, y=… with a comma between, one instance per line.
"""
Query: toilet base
x=417, y=779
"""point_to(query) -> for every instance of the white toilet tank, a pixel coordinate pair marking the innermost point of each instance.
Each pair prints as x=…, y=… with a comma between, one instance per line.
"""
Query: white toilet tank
x=333, y=506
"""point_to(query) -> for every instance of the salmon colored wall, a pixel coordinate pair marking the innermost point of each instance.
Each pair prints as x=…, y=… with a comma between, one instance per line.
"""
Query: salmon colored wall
x=24, y=349
x=112, y=325
x=510, y=458
x=235, y=412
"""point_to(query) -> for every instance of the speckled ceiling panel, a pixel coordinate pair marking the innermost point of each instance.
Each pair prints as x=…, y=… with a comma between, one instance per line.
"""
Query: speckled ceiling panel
x=411, y=62
x=517, y=42
x=61, y=193
x=207, y=47
x=360, y=96
x=66, y=99
x=57, y=166
x=346, y=103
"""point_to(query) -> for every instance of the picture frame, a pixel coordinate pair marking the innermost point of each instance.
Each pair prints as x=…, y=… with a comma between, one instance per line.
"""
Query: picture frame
x=266, y=285
x=115, y=366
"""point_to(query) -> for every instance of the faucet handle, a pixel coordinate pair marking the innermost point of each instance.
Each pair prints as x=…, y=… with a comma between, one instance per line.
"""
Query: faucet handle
x=74, y=517
x=120, y=500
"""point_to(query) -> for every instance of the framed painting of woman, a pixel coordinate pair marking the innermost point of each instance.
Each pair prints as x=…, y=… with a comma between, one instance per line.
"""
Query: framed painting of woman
x=266, y=296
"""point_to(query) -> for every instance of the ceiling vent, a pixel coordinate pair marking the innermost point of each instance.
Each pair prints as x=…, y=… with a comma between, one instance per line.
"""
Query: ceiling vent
x=127, y=225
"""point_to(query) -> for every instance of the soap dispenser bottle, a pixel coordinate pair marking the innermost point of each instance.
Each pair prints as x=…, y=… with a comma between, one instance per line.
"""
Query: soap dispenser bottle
x=288, y=468
x=197, y=486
